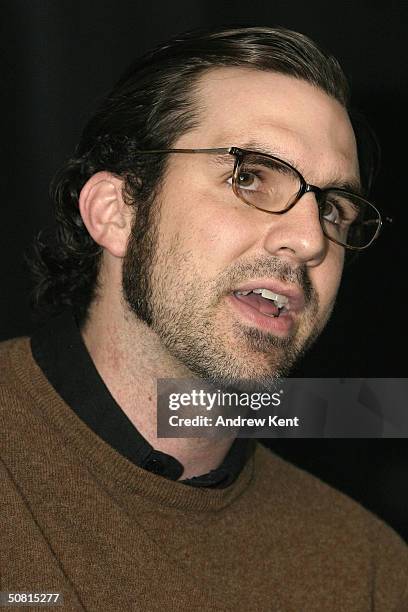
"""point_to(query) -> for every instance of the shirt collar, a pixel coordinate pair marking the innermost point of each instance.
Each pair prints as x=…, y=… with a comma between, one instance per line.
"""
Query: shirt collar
x=60, y=352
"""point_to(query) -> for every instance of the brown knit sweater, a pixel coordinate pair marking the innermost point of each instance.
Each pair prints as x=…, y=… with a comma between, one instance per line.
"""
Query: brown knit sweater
x=79, y=519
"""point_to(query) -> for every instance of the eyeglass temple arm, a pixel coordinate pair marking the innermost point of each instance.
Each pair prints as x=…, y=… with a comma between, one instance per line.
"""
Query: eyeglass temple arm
x=217, y=150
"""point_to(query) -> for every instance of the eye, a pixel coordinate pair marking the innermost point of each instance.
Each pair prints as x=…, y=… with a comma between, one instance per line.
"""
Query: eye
x=330, y=212
x=248, y=181
x=340, y=209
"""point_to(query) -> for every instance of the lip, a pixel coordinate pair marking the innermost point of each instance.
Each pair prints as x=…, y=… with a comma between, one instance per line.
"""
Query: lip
x=294, y=294
x=278, y=326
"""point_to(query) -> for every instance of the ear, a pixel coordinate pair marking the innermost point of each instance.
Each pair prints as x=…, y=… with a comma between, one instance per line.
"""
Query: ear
x=106, y=216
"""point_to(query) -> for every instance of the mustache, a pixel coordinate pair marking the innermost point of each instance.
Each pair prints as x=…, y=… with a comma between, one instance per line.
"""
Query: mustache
x=272, y=267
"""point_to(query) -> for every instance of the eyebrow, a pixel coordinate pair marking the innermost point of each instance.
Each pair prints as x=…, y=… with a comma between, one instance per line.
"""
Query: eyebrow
x=352, y=185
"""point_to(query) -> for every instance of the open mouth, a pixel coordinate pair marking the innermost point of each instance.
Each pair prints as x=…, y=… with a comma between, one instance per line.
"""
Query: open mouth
x=264, y=301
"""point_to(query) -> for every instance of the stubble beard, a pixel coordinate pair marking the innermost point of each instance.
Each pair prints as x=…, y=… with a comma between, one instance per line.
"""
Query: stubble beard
x=191, y=318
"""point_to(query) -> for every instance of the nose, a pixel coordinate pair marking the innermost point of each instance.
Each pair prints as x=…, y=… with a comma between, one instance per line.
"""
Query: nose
x=297, y=234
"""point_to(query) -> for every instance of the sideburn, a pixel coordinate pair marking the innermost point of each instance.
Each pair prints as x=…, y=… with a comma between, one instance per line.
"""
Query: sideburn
x=138, y=261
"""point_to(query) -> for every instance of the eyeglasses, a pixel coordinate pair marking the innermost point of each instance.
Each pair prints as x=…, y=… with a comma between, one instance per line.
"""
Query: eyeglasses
x=270, y=184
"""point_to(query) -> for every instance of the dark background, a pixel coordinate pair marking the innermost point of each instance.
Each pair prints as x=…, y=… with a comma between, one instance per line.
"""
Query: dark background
x=60, y=57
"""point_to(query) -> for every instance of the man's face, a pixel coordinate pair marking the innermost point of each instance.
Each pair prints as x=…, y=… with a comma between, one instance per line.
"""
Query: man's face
x=206, y=244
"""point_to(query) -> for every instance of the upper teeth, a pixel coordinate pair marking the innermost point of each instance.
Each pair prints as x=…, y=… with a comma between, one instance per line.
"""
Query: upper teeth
x=281, y=300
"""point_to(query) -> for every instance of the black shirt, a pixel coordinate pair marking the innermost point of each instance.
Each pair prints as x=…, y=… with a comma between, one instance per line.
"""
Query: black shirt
x=60, y=352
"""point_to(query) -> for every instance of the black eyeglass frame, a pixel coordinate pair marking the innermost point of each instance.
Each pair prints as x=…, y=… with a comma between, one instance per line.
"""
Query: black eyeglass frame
x=305, y=187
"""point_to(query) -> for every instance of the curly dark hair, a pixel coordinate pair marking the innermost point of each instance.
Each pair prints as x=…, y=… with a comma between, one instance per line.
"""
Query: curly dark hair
x=150, y=107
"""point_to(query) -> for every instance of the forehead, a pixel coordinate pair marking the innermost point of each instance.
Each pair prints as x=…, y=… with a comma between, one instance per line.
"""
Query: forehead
x=291, y=117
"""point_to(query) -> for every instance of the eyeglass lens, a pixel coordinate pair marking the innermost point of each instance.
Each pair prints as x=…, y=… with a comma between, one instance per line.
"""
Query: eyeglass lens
x=272, y=186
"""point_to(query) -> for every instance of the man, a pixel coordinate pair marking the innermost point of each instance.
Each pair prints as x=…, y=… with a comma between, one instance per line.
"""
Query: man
x=201, y=231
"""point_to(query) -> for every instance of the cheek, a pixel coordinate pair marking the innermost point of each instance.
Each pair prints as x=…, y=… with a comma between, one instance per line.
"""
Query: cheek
x=326, y=277
x=211, y=233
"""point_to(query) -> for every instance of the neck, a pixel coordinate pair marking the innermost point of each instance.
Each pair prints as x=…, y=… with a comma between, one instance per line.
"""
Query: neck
x=130, y=358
